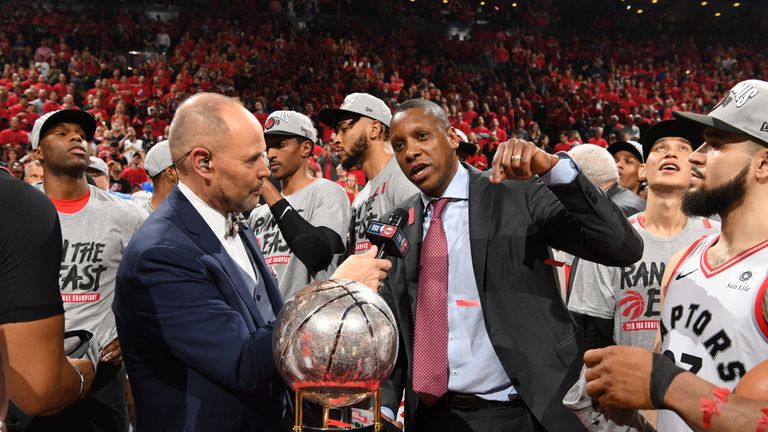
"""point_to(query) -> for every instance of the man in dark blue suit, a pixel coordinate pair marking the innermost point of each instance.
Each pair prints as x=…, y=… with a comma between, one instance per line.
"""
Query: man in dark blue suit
x=195, y=301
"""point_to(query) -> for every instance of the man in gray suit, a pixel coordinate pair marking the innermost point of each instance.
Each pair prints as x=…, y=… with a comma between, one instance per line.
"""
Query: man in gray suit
x=486, y=343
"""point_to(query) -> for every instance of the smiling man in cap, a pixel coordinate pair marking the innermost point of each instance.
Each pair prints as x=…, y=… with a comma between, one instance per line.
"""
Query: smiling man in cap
x=362, y=140
x=96, y=227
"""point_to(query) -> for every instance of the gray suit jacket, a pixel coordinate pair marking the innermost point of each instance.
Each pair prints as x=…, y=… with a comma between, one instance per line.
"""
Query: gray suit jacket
x=511, y=224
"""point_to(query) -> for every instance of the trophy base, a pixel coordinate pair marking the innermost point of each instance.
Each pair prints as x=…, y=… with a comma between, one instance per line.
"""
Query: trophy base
x=299, y=418
x=369, y=428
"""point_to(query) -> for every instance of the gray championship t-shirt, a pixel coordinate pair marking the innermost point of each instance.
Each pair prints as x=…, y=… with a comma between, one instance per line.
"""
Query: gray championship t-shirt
x=321, y=203
x=93, y=240
x=631, y=295
x=143, y=199
x=382, y=194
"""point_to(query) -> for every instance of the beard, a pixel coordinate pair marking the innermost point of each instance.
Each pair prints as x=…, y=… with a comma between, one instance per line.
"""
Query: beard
x=356, y=153
x=719, y=200
x=239, y=205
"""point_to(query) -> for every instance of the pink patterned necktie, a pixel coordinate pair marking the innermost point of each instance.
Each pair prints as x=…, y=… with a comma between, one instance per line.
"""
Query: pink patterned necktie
x=430, y=343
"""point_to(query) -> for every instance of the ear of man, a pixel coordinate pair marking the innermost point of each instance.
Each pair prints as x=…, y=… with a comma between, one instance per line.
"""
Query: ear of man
x=201, y=161
x=307, y=147
x=374, y=130
x=37, y=153
x=453, y=138
x=761, y=165
x=171, y=174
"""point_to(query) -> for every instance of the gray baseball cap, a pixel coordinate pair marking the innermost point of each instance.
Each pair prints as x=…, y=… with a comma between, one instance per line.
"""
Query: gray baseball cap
x=98, y=165
x=357, y=103
x=290, y=123
x=51, y=119
x=158, y=158
x=744, y=110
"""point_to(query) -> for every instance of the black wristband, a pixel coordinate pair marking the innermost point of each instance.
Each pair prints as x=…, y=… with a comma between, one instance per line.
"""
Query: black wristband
x=663, y=371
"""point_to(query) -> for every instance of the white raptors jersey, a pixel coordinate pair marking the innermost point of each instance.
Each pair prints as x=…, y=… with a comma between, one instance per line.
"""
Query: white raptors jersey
x=712, y=318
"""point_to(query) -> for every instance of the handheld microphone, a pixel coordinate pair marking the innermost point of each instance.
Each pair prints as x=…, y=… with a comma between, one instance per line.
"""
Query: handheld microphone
x=389, y=237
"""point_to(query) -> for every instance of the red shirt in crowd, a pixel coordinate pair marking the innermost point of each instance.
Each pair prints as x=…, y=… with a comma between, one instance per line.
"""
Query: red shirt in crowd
x=135, y=176
x=561, y=146
x=9, y=136
x=50, y=106
x=478, y=161
x=599, y=142
x=158, y=126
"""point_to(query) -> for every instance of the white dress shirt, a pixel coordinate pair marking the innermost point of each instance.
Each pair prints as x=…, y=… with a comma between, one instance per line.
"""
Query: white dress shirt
x=217, y=222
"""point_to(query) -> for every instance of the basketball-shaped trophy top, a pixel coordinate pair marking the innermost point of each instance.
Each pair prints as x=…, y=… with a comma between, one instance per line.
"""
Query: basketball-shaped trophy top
x=336, y=341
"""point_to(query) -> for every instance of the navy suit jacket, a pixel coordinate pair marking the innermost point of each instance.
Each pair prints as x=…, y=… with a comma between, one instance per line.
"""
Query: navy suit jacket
x=197, y=351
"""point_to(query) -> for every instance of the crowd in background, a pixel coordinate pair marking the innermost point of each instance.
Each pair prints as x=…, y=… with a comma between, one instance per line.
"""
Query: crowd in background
x=538, y=79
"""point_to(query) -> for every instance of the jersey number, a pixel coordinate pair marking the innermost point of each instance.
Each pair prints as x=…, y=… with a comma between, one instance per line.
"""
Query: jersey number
x=727, y=372
x=692, y=361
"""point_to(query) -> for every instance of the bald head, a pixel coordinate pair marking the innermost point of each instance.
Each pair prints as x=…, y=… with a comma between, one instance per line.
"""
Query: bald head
x=199, y=122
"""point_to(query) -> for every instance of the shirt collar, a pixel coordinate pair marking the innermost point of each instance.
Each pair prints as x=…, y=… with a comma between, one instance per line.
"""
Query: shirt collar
x=215, y=220
x=458, y=188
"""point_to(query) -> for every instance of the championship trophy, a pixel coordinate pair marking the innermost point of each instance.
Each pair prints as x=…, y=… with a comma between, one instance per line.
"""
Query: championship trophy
x=334, y=344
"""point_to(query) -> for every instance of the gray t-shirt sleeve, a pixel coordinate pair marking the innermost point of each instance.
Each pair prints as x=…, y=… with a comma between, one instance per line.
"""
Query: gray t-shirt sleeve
x=403, y=188
x=592, y=290
x=332, y=209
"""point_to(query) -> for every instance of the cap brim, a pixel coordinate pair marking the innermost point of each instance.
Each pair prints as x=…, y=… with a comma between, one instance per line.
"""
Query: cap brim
x=78, y=117
x=287, y=134
x=331, y=116
x=625, y=146
x=467, y=148
x=687, y=130
x=706, y=120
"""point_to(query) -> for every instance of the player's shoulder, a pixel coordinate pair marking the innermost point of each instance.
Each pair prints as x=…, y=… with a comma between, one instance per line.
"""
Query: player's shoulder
x=115, y=204
x=706, y=225
x=325, y=185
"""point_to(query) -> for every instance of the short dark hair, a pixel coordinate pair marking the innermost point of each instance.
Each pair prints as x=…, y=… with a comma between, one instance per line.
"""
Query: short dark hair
x=429, y=107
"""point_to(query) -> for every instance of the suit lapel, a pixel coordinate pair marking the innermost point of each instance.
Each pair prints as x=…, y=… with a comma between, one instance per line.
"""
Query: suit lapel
x=208, y=241
x=249, y=238
x=414, y=233
x=481, y=194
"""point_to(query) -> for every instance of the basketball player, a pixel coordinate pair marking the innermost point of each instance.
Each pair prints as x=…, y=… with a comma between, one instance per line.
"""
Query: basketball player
x=621, y=304
x=96, y=227
x=362, y=140
x=713, y=319
x=299, y=231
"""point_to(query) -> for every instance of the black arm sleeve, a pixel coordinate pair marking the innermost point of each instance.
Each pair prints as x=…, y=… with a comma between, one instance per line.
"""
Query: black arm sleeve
x=30, y=253
x=313, y=246
x=597, y=331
